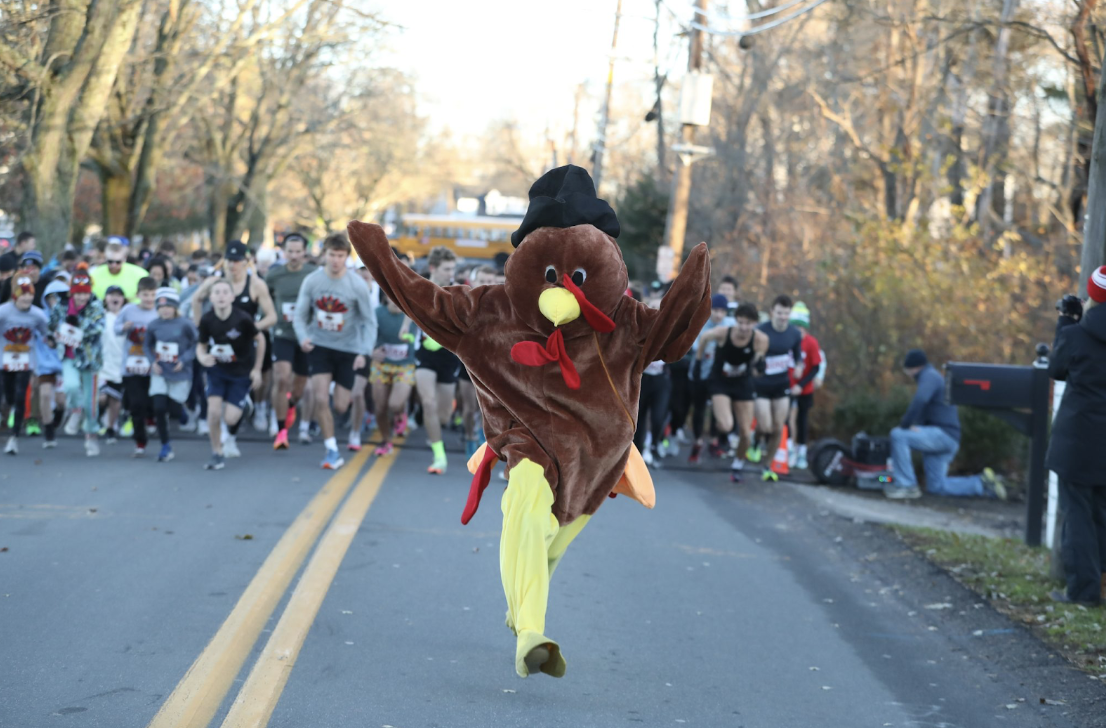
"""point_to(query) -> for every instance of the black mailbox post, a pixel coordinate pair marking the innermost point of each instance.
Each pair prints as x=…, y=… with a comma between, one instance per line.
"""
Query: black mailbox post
x=1018, y=395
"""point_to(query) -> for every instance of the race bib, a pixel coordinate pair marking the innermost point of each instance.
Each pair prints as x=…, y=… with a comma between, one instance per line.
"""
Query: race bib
x=778, y=364
x=17, y=361
x=69, y=335
x=288, y=311
x=395, y=352
x=167, y=351
x=734, y=370
x=329, y=320
x=137, y=366
x=223, y=353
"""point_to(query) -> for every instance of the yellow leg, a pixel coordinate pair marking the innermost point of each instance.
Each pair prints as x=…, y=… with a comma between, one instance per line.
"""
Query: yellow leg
x=563, y=538
x=526, y=558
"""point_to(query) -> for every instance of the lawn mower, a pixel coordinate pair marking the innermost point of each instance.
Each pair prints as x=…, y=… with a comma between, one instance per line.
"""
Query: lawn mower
x=867, y=463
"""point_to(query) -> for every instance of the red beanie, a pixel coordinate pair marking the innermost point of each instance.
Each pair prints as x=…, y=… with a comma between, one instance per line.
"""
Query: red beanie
x=81, y=282
x=1096, y=285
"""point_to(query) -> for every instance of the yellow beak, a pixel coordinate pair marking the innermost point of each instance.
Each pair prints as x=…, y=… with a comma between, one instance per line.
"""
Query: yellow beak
x=558, y=305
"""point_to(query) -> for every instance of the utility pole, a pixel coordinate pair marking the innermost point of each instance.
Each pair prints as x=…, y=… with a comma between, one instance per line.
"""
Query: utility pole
x=601, y=143
x=675, y=227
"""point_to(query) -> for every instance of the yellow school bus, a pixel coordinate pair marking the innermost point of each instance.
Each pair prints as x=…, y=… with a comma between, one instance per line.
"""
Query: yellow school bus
x=468, y=237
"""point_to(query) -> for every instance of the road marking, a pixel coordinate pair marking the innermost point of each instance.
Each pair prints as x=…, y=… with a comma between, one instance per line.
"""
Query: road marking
x=258, y=698
x=199, y=694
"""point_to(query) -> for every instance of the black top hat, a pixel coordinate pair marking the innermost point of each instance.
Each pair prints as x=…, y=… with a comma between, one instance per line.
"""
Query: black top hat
x=564, y=197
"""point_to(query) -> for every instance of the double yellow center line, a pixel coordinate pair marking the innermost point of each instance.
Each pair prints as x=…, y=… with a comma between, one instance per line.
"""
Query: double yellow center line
x=199, y=694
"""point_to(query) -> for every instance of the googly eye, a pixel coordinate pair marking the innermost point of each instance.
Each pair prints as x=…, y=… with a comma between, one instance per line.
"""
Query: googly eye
x=550, y=274
x=579, y=276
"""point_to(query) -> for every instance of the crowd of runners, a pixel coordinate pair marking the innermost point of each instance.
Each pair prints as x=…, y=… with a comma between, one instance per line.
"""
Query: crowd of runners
x=299, y=343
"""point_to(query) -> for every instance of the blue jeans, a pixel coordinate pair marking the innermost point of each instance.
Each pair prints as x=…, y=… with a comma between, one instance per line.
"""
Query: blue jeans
x=939, y=448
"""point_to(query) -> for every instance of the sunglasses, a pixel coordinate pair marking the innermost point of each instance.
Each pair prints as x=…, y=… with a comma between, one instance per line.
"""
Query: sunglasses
x=114, y=262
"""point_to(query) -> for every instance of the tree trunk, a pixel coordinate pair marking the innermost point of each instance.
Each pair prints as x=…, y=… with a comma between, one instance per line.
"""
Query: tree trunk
x=115, y=193
x=48, y=203
x=1094, y=233
x=220, y=198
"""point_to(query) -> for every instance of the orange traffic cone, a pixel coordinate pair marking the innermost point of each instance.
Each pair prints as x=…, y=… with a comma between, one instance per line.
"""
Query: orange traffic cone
x=779, y=460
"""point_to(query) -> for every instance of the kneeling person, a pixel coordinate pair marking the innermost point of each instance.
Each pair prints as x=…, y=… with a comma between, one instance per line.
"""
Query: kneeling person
x=232, y=348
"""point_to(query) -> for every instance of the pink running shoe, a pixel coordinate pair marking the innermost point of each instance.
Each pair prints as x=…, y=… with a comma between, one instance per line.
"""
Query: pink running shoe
x=401, y=425
x=384, y=450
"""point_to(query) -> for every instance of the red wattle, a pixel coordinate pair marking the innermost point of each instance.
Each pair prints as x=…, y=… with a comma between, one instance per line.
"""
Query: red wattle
x=595, y=318
x=480, y=480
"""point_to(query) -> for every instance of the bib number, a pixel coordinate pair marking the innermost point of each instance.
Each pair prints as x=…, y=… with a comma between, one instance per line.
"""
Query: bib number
x=778, y=364
x=167, y=351
x=329, y=320
x=288, y=311
x=69, y=335
x=395, y=352
x=17, y=361
x=223, y=353
x=137, y=366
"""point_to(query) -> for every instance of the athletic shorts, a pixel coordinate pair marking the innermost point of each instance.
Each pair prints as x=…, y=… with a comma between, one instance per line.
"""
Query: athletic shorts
x=113, y=390
x=389, y=374
x=177, y=391
x=338, y=364
x=773, y=390
x=289, y=350
x=738, y=389
x=232, y=390
x=267, y=362
x=48, y=378
x=442, y=362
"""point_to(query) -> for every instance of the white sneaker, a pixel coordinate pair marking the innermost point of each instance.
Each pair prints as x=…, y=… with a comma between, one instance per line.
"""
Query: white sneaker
x=91, y=447
x=202, y=428
x=305, y=437
x=737, y=464
x=13, y=446
x=792, y=459
x=230, y=447
x=681, y=437
x=354, y=441
x=647, y=456
x=273, y=427
x=260, y=418
x=73, y=423
x=800, y=462
x=193, y=422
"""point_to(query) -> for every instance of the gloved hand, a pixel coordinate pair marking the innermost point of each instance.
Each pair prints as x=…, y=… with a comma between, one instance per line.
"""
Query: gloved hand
x=430, y=345
x=761, y=366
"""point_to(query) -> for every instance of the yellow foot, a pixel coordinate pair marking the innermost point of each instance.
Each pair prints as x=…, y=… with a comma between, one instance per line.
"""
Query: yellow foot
x=537, y=653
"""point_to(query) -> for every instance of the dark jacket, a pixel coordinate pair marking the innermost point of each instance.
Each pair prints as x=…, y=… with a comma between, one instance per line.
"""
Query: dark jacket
x=1079, y=430
x=929, y=408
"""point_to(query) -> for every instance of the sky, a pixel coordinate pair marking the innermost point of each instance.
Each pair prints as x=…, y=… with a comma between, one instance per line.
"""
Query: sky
x=480, y=61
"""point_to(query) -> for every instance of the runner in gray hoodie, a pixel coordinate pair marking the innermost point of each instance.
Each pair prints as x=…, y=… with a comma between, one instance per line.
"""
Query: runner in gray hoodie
x=171, y=346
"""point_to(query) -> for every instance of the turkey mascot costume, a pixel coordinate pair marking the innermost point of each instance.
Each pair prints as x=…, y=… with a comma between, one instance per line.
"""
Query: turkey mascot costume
x=556, y=355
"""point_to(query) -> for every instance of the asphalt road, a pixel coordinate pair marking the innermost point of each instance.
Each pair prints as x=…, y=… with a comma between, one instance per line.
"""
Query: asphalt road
x=134, y=593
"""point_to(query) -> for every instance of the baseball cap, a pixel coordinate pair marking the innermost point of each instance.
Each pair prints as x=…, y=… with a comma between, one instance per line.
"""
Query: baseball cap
x=236, y=250
x=719, y=301
x=31, y=256
x=55, y=286
x=119, y=239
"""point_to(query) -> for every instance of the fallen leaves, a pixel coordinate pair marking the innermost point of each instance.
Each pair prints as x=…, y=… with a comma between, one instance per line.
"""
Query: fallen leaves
x=244, y=537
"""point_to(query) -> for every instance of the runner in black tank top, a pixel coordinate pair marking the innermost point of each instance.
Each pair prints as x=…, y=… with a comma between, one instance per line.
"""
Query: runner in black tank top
x=731, y=381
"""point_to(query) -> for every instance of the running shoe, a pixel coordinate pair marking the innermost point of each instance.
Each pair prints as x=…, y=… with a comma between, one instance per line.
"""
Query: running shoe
x=11, y=419
x=291, y=418
x=202, y=428
x=230, y=447
x=332, y=461
x=217, y=462
x=260, y=418
x=668, y=448
x=737, y=464
x=401, y=425
x=274, y=427
x=305, y=437
x=896, y=492
x=31, y=428
x=384, y=450
x=800, y=462
x=12, y=447
x=49, y=444
x=437, y=467
x=693, y=458
x=73, y=423
x=647, y=456
x=769, y=476
x=314, y=429
x=793, y=458
x=127, y=430
x=109, y=436
x=993, y=484
x=681, y=437
x=735, y=476
x=754, y=454
x=166, y=454
x=354, y=441
x=281, y=441
x=139, y=451
x=715, y=450
x=91, y=447
x=191, y=423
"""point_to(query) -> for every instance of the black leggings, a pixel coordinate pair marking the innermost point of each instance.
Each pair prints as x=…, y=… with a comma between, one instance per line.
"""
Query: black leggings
x=679, y=403
x=15, y=392
x=163, y=407
x=802, y=405
x=653, y=401
x=700, y=396
x=137, y=391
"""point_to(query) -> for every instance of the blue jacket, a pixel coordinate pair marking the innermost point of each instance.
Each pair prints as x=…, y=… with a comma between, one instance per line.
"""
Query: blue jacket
x=929, y=407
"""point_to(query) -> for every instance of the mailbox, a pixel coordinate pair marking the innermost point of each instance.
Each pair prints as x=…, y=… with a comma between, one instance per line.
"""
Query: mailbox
x=1018, y=395
x=989, y=386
